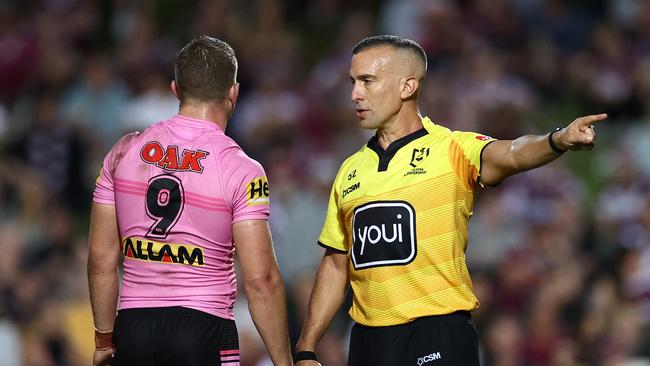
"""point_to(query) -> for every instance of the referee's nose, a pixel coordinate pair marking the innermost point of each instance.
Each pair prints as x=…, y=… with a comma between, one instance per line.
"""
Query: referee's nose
x=357, y=92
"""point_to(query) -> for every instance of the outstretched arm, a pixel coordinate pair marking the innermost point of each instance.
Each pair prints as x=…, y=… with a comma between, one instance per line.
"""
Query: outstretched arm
x=326, y=298
x=264, y=287
x=504, y=158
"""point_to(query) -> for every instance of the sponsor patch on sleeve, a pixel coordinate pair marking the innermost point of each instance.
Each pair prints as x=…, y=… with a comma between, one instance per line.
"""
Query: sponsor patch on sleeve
x=483, y=137
x=258, y=192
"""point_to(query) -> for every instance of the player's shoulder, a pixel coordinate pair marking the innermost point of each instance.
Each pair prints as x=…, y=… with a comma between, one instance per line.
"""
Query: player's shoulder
x=133, y=138
x=125, y=142
x=232, y=155
x=222, y=143
x=120, y=150
x=129, y=138
x=136, y=140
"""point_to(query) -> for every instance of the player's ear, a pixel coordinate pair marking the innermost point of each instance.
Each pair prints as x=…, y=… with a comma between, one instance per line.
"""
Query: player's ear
x=174, y=89
x=233, y=93
x=408, y=87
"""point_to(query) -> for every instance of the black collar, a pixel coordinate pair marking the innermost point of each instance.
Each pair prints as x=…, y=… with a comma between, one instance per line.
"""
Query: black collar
x=386, y=155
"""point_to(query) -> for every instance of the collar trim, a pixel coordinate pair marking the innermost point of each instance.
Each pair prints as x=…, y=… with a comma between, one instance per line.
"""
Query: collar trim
x=385, y=156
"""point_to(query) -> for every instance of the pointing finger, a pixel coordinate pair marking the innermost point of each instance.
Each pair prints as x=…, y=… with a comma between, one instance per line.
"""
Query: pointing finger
x=589, y=120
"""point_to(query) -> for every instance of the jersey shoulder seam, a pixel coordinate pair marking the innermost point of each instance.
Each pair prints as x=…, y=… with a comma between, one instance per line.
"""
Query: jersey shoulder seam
x=217, y=161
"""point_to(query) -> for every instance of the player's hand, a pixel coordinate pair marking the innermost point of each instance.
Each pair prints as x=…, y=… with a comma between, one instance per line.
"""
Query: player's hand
x=308, y=363
x=103, y=357
x=580, y=134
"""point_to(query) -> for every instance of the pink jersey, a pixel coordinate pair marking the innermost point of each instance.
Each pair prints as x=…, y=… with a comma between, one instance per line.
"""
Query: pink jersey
x=178, y=187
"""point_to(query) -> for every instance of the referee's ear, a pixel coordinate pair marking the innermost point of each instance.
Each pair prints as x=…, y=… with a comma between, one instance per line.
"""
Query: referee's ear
x=409, y=87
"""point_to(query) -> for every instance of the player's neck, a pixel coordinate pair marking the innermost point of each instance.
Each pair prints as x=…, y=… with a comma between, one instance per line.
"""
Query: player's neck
x=402, y=124
x=210, y=112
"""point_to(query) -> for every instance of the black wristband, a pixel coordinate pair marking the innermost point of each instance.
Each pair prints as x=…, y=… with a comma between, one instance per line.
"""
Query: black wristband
x=304, y=356
x=552, y=144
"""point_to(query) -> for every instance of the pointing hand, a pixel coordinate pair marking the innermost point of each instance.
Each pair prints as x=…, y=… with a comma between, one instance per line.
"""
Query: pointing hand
x=580, y=134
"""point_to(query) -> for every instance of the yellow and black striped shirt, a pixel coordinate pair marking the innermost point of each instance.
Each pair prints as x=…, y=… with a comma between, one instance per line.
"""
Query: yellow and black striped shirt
x=402, y=216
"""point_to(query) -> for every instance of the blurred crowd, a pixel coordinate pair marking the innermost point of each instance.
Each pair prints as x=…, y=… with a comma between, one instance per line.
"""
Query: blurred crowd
x=560, y=256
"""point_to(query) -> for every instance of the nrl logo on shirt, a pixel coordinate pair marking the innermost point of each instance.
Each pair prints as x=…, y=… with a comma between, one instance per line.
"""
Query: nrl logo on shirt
x=258, y=191
x=416, y=157
x=169, y=159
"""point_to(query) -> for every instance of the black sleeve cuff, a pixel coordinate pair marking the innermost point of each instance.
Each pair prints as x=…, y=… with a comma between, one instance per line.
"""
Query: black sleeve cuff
x=481, y=162
x=331, y=248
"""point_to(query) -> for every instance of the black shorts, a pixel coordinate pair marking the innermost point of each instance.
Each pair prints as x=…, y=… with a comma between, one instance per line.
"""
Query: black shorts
x=174, y=336
x=441, y=340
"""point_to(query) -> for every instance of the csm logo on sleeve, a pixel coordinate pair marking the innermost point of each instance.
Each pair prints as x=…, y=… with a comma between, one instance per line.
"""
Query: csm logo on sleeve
x=384, y=234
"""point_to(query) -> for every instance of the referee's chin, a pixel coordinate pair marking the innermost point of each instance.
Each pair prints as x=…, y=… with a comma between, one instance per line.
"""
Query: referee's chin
x=367, y=123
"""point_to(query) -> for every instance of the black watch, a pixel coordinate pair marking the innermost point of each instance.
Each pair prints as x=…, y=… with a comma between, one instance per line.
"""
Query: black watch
x=552, y=144
x=304, y=356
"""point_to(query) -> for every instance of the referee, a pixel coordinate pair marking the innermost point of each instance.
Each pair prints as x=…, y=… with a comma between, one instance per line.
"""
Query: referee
x=397, y=222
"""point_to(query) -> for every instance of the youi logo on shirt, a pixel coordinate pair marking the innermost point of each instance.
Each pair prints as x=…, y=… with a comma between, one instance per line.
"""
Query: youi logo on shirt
x=383, y=234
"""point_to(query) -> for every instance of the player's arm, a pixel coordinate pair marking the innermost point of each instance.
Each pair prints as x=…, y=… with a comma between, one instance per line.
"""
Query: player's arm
x=504, y=158
x=103, y=260
x=326, y=298
x=264, y=287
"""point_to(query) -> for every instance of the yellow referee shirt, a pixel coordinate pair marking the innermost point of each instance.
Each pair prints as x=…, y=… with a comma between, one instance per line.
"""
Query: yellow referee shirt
x=402, y=216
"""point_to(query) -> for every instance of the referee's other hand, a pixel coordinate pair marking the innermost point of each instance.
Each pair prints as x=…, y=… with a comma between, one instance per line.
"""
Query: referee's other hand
x=103, y=357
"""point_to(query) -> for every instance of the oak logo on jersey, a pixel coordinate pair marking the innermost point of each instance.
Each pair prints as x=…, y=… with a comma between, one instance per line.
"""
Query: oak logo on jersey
x=258, y=191
x=383, y=234
x=169, y=159
x=153, y=251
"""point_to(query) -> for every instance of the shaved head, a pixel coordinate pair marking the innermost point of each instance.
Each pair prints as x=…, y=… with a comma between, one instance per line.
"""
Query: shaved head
x=410, y=64
x=411, y=60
